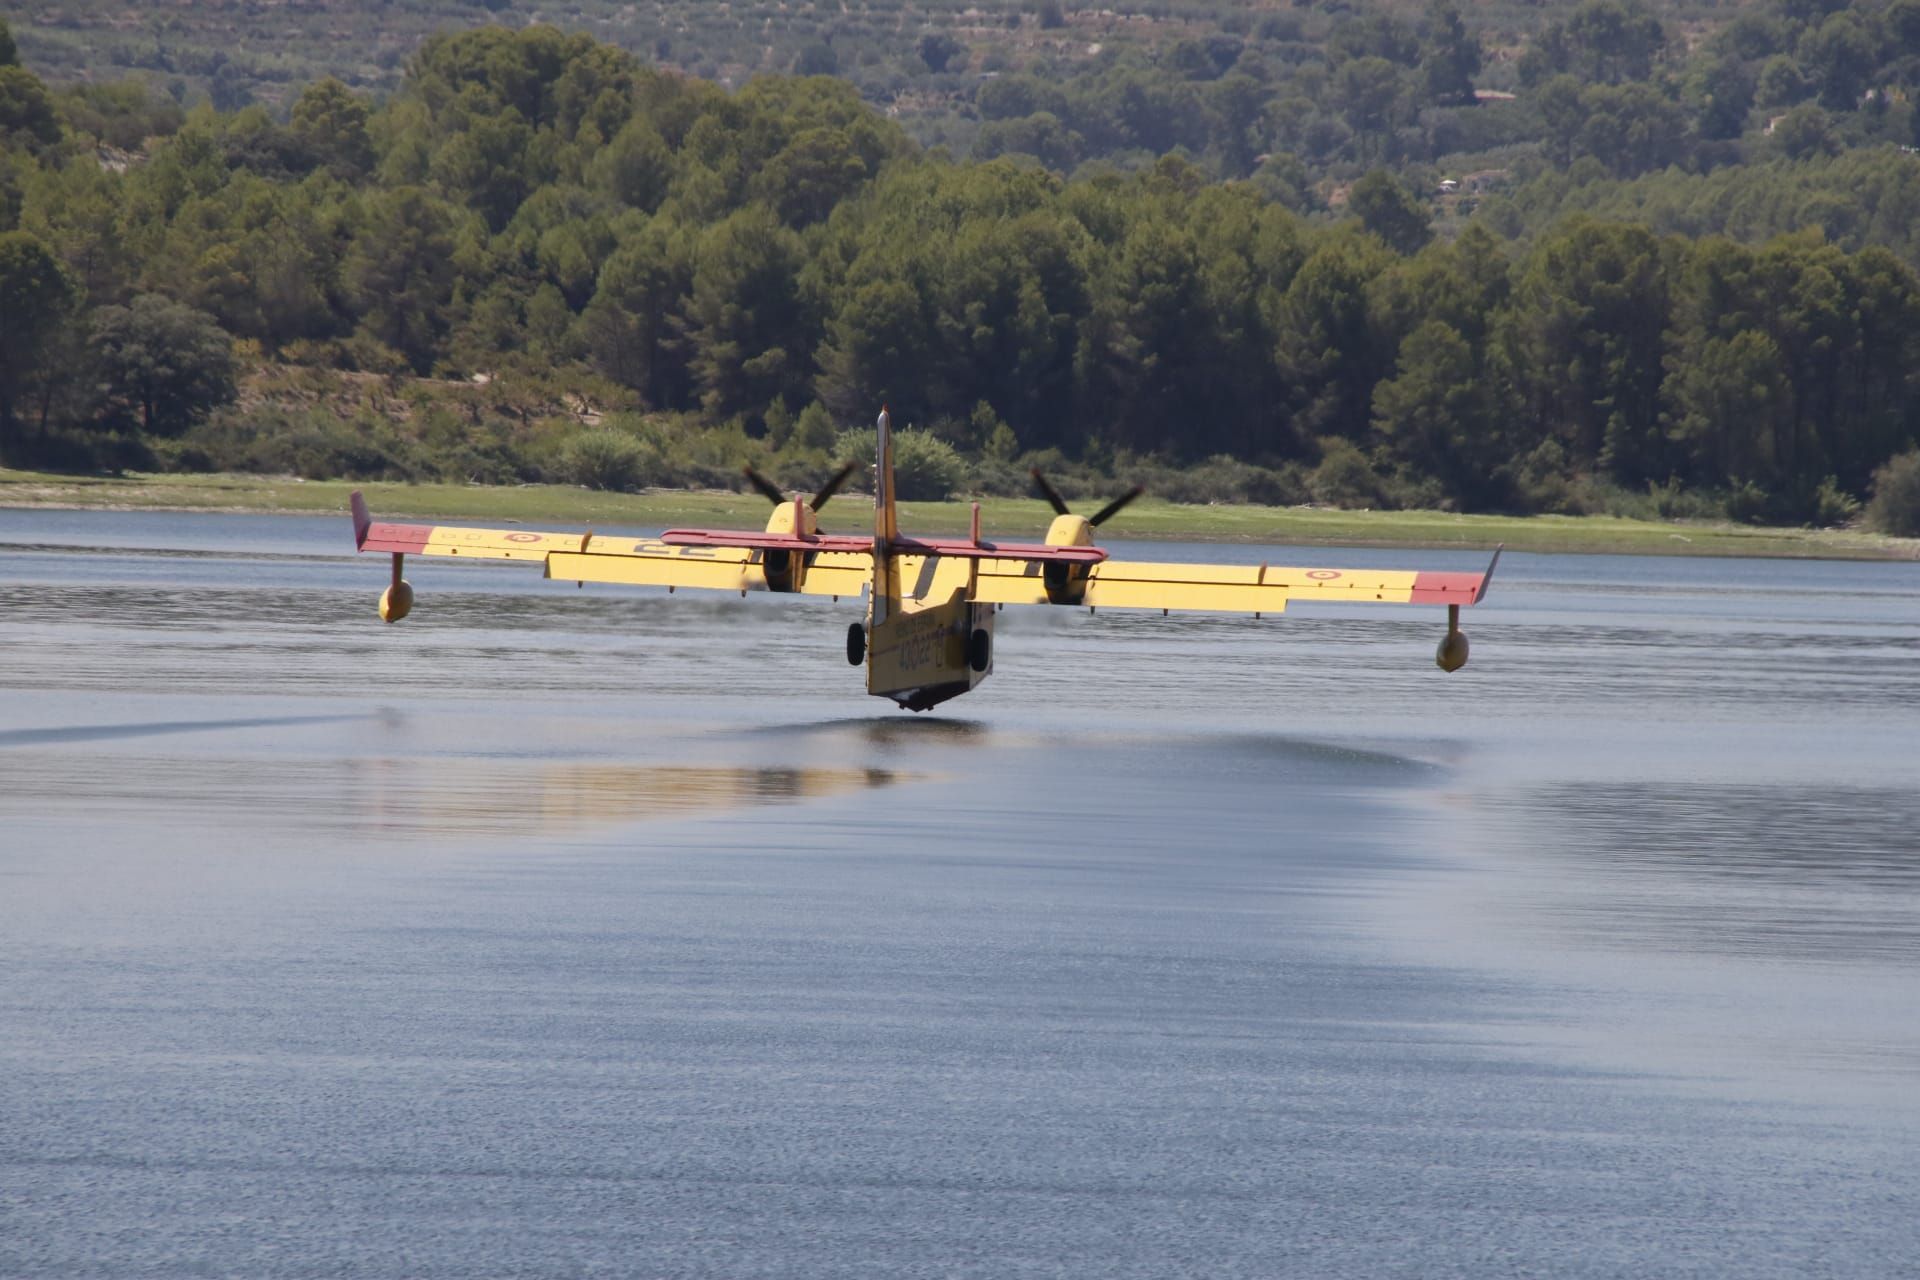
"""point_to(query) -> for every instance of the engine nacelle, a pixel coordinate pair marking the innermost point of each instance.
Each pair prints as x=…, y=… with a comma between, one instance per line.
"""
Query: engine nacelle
x=396, y=602
x=1066, y=583
x=784, y=570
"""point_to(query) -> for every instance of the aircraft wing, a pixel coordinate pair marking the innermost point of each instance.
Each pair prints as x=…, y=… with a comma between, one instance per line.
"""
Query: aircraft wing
x=1132, y=584
x=642, y=562
x=581, y=557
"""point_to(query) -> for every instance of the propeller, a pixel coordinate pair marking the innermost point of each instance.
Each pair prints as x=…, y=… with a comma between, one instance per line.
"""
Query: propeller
x=771, y=491
x=1060, y=507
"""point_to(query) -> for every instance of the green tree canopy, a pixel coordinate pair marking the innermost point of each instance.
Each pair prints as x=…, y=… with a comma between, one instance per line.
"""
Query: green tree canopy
x=163, y=363
x=1388, y=210
x=26, y=110
x=35, y=296
x=332, y=123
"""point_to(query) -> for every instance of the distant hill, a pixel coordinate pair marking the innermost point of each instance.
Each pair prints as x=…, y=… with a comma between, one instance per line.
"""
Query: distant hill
x=1620, y=260
x=1303, y=99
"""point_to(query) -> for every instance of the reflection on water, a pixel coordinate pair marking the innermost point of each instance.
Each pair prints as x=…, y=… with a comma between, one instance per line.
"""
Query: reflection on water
x=161, y=607
x=1830, y=872
x=883, y=731
x=1807, y=835
x=436, y=798
x=441, y=797
x=152, y=728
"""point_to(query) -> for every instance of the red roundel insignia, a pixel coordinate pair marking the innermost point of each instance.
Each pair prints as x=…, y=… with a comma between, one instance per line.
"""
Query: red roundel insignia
x=523, y=537
x=1323, y=575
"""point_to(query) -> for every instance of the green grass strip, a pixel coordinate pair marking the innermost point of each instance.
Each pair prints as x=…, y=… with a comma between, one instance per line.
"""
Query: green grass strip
x=1147, y=519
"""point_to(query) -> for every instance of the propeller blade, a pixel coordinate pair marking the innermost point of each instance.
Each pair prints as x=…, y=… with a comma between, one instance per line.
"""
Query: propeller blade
x=1113, y=508
x=767, y=488
x=1051, y=494
x=832, y=486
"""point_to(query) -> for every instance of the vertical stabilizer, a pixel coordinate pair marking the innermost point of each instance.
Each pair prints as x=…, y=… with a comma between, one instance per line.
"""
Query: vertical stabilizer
x=885, y=521
x=886, y=527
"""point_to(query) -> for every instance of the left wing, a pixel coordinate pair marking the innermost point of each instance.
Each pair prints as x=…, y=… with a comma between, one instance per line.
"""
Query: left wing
x=717, y=559
x=1138, y=584
x=582, y=557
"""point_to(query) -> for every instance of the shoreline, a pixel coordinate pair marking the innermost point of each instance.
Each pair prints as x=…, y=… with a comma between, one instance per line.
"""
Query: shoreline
x=1148, y=520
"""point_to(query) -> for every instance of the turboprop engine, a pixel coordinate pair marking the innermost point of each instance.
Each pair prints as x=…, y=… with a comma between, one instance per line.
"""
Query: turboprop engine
x=787, y=570
x=1067, y=583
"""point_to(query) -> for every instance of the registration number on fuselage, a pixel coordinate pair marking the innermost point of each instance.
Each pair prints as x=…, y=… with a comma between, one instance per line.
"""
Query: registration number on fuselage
x=925, y=641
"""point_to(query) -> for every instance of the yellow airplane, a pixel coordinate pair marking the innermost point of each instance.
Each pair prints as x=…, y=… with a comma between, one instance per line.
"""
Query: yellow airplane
x=928, y=634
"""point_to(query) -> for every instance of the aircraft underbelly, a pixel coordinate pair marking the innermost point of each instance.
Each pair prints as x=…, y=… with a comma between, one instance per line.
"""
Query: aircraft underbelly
x=920, y=655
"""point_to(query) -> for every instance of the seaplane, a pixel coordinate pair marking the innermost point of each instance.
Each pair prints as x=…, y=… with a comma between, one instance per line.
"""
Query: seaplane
x=927, y=635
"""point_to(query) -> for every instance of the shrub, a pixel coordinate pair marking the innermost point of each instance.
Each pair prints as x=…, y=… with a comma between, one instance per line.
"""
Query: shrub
x=314, y=444
x=1669, y=501
x=813, y=429
x=601, y=458
x=80, y=452
x=1543, y=480
x=856, y=445
x=1344, y=478
x=1000, y=479
x=1221, y=479
x=925, y=467
x=1749, y=504
x=1895, y=506
x=1408, y=490
x=1832, y=505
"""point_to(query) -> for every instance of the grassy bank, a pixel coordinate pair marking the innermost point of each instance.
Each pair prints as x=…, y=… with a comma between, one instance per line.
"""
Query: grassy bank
x=1007, y=517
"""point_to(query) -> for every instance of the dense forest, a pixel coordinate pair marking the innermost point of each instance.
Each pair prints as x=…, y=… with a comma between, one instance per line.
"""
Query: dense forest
x=541, y=256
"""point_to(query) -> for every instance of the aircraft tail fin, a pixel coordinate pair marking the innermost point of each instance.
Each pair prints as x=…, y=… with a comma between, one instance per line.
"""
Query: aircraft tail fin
x=886, y=525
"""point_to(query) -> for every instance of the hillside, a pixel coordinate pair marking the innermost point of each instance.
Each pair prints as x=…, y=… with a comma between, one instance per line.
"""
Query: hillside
x=1234, y=261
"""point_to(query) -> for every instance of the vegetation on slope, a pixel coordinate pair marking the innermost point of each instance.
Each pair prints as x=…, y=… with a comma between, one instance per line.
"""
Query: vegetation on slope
x=542, y=259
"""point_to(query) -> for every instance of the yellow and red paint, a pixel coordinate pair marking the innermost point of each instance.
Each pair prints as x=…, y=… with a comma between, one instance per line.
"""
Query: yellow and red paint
x=927, y=596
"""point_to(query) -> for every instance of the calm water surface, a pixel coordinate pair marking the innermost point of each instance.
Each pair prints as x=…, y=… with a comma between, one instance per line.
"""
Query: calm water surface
x=565, y=933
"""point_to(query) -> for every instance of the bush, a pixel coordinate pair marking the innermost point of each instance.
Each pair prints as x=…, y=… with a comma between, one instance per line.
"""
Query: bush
x=1669, y=501
x=1822, y=507
x=856, y=445
x=1895, y=506
x=992, y=477
x=1544, y=481
x=1749, y=504
x=1832, y=505
x=601, y=458
x=813, y=429
x=315, y=445
x=1221, y=479
x=925, y=467
x=83, y=452
x=1344, y=478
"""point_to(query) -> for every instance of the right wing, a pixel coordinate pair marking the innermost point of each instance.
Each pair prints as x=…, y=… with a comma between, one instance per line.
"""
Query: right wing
x=1141, y=584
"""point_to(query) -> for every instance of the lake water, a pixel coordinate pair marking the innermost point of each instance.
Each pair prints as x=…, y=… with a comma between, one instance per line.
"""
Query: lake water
x=562, y=932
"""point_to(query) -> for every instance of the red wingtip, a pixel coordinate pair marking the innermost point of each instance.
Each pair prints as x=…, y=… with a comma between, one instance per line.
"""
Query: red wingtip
x=1486, y=579
x=362, y=521
x=1454, y=588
